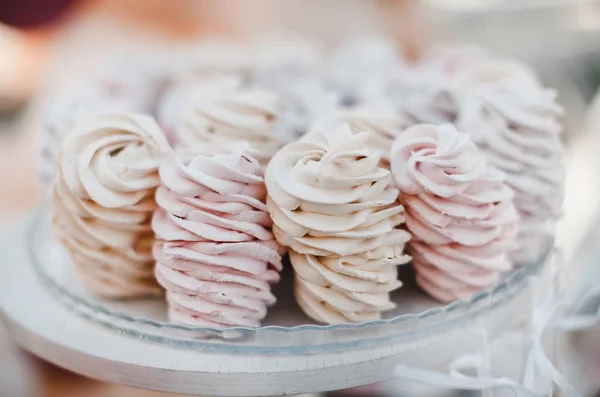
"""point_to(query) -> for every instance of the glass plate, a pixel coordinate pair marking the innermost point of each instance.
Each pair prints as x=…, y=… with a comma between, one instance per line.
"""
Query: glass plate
x=286, y=329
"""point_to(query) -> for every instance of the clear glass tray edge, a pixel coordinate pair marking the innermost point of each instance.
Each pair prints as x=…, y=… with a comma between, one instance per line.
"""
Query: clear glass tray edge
x=219, y=341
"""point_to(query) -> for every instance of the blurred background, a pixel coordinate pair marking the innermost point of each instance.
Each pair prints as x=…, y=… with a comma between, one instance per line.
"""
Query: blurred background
x=46, y=43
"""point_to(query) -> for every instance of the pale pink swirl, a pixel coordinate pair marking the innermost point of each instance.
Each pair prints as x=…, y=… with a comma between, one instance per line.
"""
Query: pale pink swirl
x=514, y=120
x=458, y=210
x=215, y=253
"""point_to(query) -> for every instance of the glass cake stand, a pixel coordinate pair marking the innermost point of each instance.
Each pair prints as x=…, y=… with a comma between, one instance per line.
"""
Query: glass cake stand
x=132, y=342
x=286, y=329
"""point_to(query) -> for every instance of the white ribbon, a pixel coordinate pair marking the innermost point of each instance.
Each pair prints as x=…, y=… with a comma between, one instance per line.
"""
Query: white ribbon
x=577, y=321
x=458, y=378
x=539, y=371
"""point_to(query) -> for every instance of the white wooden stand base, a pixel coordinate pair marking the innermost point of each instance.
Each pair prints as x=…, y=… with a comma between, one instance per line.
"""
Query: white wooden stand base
x=49, y=330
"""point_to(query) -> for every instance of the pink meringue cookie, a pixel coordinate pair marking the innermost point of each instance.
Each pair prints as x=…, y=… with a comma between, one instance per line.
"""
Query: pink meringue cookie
x=215, y=252
x=334, y=207
x=431, y=91
x=103, y=197
x=513, y=119
x=458, y=210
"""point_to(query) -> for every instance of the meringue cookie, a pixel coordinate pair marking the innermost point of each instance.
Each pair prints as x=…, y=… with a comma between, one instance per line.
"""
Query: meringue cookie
x=216, y=255
x=421, y=95
x=383, y=126
x=513, y=119
x=223, y=112
x=72, y=107
x=430, y=91
x=129, y=85
x=212, y=63
x=103, y=197
x=333, y=206
x=353, y=288
x=458, y=211
x=423, y=92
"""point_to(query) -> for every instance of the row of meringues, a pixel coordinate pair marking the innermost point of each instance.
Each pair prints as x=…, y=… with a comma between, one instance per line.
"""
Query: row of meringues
x=330, y=194
x=208, y=226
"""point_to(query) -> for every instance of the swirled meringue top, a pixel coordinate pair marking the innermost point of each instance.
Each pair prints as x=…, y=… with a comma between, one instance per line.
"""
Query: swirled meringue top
x=117, y=157
x=383, y=126
x=435, y=159
x=223, y=112
x=73, y=106
x=196, y=187
x=450, y=193
x=327, y=194
x=108, y=173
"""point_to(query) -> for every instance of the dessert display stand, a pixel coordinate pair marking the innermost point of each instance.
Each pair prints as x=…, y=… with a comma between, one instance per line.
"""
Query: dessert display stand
x=271, y=361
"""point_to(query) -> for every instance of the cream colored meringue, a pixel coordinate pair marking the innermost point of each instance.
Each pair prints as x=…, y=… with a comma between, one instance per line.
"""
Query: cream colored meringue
x=353, y=288
x=333, y=206
x=103, y=197
x=458, y=210
x=383, y=127
x=223, y=112
x=514, y=121
x=216, y=255
x=74, y=106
